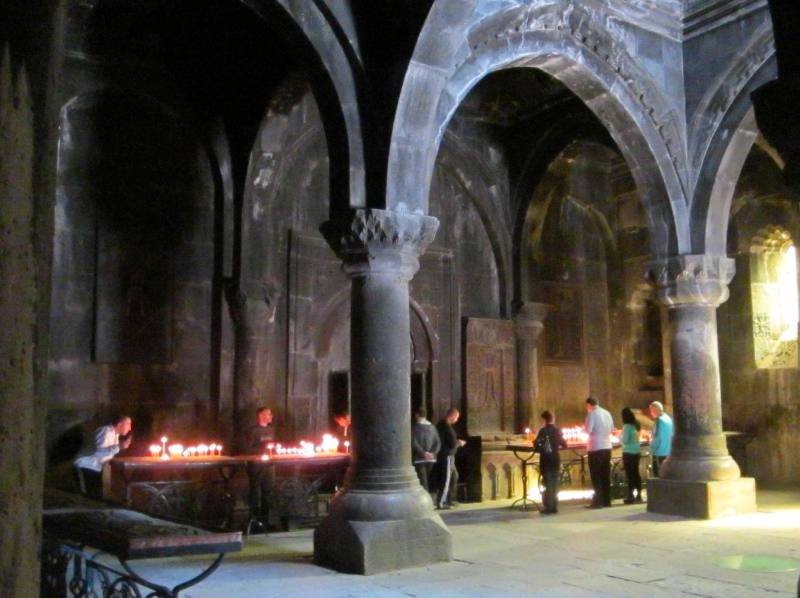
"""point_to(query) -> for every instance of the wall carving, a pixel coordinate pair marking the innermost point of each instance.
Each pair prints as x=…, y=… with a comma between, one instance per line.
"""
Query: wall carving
x=490, y=375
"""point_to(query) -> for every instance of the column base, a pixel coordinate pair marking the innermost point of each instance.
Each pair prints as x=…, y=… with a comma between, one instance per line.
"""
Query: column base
x=701, y=500
x=368, y=547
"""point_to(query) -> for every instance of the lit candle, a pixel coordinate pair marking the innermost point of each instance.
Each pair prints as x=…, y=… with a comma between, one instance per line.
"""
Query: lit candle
x=528, y=433
x=202, y=450
x=155, y=450
x=270, y=447
x=175, y=450
x=347, y=446
x=219, y=450
x=164, y=454
x=265, y=457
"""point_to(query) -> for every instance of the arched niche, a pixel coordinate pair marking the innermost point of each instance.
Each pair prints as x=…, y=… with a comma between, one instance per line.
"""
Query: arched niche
x=133, y=262
x=332, y=353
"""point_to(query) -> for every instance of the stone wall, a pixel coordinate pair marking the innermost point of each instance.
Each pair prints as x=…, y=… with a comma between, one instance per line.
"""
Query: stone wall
x=298, y=297
x=759, y=401
x=30, y=57
x=134, y=259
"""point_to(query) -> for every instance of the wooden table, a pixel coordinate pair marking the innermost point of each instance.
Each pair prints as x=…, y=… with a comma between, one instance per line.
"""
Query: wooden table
x=163, y=481
x=180, y=487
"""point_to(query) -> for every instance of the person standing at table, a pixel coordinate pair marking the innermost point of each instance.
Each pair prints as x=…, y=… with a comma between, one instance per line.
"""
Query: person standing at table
x=661, y=444
x=447, y=459
x=599, y=426
x=261, y=433
x=425, y=445
x=108, y=441
x=260, y=476
x=548, y=442
x=631, y=453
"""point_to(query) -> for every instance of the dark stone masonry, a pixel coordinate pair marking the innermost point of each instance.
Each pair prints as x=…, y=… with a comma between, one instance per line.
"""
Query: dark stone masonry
x=377, y=207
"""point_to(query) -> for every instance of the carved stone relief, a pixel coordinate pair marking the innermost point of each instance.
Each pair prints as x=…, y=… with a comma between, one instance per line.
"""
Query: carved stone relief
x=490, y=375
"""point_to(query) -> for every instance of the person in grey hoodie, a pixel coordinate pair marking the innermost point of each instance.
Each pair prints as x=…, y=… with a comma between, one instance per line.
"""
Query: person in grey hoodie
x=425, y=444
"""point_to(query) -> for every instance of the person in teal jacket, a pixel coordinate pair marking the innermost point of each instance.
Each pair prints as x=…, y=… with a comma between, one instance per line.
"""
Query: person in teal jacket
x=631, y=453
x=661, y=444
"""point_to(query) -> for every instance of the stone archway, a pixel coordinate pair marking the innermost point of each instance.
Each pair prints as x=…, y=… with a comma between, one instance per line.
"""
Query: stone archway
x=341, y=63
x=564, y=42
x=720, y=156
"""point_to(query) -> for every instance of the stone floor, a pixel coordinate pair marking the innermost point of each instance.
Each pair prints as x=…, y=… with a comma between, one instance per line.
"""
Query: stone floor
x=621, y=551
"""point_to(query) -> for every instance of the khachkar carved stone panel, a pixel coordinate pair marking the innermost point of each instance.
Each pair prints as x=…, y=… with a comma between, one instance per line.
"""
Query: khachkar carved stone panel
x=490, y=375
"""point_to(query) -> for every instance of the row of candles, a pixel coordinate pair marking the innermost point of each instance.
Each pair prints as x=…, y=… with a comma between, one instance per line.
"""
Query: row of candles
x=329, y=444
x=178, y=450
x=578, y=435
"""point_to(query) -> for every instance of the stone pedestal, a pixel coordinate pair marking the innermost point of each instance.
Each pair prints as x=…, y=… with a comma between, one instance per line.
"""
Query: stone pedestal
x=702, y=500
x=382, y=519
x=700, y=478
x=528, y=326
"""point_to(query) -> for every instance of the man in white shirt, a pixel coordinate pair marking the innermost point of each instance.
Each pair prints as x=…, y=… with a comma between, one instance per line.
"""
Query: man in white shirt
x=108, y=441
x=599, y=426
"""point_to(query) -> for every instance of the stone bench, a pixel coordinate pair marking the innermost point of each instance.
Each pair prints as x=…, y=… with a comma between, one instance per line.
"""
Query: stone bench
x=76, y=536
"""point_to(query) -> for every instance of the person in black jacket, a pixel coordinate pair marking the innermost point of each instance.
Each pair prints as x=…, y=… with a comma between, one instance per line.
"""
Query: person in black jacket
x=447, y=459
x=261, y=477
x=547, y=444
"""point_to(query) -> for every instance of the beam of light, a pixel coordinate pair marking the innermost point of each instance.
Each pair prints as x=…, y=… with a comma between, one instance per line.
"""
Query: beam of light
x=787, y=297
x=565, y=495
x=779, y=520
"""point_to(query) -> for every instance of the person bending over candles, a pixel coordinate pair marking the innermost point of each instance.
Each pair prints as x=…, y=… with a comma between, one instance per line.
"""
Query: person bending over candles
x=108, y=441
x=260, y=476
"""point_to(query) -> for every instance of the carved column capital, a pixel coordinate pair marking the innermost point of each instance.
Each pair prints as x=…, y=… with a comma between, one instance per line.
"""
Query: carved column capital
x=529, y=320
x=374, y=241
x=700, y=280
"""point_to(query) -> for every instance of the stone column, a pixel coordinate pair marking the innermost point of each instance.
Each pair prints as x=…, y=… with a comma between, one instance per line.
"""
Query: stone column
x=528, y=326
x=382, y=519
x=699, y=479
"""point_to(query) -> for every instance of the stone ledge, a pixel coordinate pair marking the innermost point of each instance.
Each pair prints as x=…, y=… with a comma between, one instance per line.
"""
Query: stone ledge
x=701, y=500
x=369, y=547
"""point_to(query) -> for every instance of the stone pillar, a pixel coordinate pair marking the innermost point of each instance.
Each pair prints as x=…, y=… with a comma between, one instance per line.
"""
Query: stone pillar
x=382, y=519
x=528, y=326
x=699, y=479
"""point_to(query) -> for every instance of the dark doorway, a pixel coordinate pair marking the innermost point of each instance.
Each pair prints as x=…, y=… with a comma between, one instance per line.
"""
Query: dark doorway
x=419, y=393
x=339, y=394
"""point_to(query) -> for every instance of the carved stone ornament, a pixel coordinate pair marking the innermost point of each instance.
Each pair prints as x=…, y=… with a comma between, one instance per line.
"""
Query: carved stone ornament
x=700, y=280
x=587, y=30
x=529, y=321
x=372, y=241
